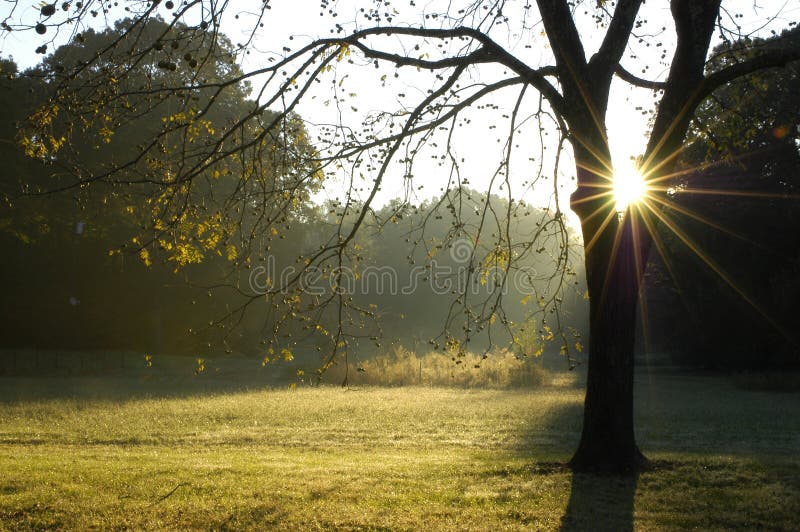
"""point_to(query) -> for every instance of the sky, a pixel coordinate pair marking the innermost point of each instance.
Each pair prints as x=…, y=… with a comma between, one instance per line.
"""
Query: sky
x=477, y=146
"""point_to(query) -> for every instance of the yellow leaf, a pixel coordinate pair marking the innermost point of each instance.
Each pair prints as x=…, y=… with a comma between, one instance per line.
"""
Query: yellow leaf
x=145, y=256
x=231, y=252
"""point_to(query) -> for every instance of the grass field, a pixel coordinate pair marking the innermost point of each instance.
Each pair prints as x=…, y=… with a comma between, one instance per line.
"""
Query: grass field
x=121, y=455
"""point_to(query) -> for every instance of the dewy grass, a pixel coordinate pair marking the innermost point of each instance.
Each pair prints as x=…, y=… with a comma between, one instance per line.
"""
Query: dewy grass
x=394, y=458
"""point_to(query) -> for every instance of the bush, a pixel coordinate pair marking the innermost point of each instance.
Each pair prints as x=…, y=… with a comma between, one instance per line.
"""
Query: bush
x=402, y=367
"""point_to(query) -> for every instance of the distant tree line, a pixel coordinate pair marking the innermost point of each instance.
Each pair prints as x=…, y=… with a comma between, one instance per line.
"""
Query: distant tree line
x=720, y=293
x=118, y=266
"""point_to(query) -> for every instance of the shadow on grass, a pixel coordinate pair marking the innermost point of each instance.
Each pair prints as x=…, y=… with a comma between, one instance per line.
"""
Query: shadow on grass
x=555, y=433
x=129, y=387
x=600, y=502
x=596, y=501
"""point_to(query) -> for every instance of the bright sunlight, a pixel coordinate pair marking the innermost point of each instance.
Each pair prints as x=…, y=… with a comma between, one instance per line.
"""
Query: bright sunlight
x=629, y=186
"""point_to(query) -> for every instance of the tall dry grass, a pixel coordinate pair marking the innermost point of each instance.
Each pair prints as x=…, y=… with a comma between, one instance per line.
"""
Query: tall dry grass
x=402, y=367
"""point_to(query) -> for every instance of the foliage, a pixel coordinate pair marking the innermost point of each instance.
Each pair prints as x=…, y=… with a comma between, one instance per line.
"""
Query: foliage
x=144, y=125
x=122, y=305
x=732, y=277
x=118, y=248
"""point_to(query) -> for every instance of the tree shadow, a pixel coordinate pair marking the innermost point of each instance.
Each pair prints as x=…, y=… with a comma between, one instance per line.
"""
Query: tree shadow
x=600, y=502
x=597, y=501
x=548, y=435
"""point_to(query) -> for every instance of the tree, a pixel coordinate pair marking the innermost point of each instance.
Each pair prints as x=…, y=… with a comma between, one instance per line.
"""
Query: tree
x=95, y=298
x=741, y=163
x=455, y=49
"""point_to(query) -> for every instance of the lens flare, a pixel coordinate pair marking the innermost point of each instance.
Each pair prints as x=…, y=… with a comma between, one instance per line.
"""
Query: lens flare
x=629, y=186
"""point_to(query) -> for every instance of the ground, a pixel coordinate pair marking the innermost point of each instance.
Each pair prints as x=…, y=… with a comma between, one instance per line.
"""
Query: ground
x=92, y=453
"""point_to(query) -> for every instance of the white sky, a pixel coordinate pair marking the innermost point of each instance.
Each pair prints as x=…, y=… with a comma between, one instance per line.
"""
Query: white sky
x=477, y=143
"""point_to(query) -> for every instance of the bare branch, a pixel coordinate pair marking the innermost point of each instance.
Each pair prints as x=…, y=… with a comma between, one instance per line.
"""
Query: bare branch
x=637, y=81
x=765, y=60
x=603, y=64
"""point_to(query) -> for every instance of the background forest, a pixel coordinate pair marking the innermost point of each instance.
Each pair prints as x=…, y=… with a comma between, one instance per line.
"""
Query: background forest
x=79, y=277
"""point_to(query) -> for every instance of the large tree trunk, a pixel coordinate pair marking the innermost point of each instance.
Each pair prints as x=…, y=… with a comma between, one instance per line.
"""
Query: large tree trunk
x=615, y=258
x=615, y=250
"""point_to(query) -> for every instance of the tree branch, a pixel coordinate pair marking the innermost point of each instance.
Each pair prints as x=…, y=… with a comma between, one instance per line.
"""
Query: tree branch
x=564, y=37
x=473, y=58
x=414, y=116
x=605, y=61
x=772, y=59
x=490, y=52
x=450, y=114
x=626, y=76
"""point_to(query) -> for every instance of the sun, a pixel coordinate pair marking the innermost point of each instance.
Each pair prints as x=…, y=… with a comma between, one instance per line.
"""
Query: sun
x=629, y=186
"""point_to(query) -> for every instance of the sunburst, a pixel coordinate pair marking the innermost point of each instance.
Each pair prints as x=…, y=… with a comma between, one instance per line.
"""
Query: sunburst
x=629, y=185
x=654, y=201
x=648, y=195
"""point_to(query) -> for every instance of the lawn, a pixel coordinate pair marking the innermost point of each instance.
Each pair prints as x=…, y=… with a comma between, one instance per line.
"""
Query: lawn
x=111, y=455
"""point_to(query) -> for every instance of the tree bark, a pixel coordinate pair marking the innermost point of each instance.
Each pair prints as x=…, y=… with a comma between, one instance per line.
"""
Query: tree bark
x=615, y=257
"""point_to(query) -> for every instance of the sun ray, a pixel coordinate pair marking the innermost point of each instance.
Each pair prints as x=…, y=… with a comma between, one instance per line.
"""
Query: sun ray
x=662, y=252
x=649, y=171
x=593, y=197
x=702, y=167
x=638, y=263
x=737, y=193
x=641, y=265
x=687, y=212
x=606, y=173
x=689, y=243
x=655, y=151
x=609, y=217
x=650, y=194
x=599, y=210
x=612, y=263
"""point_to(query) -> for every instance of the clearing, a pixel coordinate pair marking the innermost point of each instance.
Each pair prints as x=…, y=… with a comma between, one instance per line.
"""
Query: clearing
x=155, y=455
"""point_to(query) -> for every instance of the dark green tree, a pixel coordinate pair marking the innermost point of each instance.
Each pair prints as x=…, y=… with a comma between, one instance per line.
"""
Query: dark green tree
x=736, y=244
x=103, y=261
